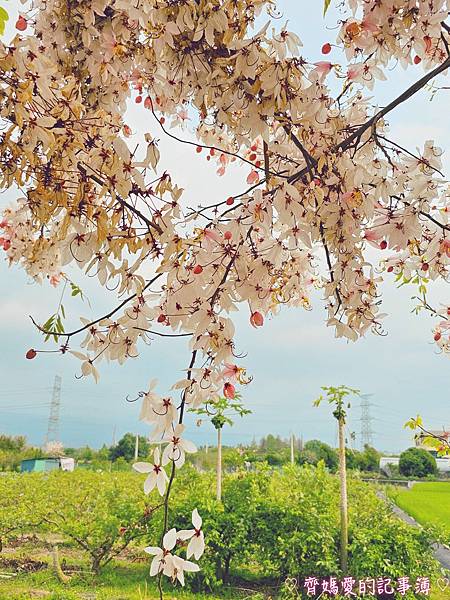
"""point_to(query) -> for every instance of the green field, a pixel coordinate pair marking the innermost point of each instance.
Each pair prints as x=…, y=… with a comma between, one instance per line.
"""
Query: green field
x=101, y=522
x=123, y=581
x=427, y=503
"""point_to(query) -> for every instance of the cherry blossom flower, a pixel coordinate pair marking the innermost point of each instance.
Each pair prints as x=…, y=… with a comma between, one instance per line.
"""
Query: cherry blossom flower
x=323, y=68
x=157, y=475
x=196, y=545
x=176, y=447
x=326, y=178
x=167, y=563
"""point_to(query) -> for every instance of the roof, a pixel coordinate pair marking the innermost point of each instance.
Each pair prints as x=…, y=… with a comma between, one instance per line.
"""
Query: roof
x=42, y=458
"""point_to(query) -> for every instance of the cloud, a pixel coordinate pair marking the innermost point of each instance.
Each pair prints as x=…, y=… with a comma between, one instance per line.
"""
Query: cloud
x=14, y=314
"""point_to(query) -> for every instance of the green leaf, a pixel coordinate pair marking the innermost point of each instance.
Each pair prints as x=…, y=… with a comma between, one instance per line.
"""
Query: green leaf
x=326, y=6
x=3, y=18
x=76, y=291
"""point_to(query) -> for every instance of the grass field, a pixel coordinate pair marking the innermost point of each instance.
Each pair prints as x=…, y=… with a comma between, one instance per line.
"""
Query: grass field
x=427, y=503
x=123, y=580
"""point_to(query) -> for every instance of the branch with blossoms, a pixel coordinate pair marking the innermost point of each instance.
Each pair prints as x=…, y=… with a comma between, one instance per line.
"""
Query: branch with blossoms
x=440, y=442
x=324, y=179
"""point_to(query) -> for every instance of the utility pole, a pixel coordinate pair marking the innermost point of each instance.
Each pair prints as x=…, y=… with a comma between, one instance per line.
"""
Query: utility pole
x=114, y=436
x=53, y=419
x=366, y=422
x=292, y=449
x=136, y=448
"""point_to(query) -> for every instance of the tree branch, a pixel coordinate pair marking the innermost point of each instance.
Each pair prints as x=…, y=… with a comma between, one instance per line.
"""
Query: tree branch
x=107, y=316
x=413, y=89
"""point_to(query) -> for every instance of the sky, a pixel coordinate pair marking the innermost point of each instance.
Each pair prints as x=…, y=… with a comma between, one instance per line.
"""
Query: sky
x=290, y=358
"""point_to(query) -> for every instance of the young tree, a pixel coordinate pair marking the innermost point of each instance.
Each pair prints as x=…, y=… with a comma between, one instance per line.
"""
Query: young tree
x=220, y=413
x=337, y=397
x=325, y=178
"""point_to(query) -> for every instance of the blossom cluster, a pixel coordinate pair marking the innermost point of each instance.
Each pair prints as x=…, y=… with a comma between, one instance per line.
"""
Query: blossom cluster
x=170, y=564
x=325, y=183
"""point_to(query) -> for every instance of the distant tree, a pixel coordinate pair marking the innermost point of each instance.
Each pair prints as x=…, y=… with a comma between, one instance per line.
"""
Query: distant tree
x=86, y=453
x=369, y=459
x=54, y=448
x=126, y=446
x=103, y=453
x=272, y=443
x=275, y=458
x=232, y=458
x=323, y=452
x=353, y=459
x=416, y=462
x=307, y=457
x=12, y=443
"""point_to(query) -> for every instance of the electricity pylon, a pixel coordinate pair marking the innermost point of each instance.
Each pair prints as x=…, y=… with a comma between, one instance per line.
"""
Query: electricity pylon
x=53, y=419
x=366, y=422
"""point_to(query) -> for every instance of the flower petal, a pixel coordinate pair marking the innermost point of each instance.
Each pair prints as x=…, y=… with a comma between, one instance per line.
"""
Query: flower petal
x=143, y=467
x=196, y=519
x=170, y=539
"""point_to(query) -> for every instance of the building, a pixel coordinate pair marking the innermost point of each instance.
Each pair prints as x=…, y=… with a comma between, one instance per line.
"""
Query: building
x=41, y=465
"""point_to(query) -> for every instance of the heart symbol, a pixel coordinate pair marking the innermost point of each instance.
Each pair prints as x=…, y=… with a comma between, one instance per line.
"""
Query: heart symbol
x=443, y=583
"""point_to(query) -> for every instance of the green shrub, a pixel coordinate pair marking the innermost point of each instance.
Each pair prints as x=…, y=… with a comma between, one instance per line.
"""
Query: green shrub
x=416, y=462
x=271, y=523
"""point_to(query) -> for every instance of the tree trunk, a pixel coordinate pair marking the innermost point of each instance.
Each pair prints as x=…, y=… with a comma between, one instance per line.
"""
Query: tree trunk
x=219, y=464
x=95, y=564
x=62, y=577
x=343, y=497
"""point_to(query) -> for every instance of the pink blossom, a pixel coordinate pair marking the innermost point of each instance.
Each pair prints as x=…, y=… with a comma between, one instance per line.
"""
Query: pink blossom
x=323, y=68
x=230, y=371
x=354, y=72
x=183, y=115
x=253, y=177
x=55, y=279
x=229, y=391
x=369, y=26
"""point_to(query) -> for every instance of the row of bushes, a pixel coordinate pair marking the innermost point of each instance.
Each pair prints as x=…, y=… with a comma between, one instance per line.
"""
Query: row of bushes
x=269, y=524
